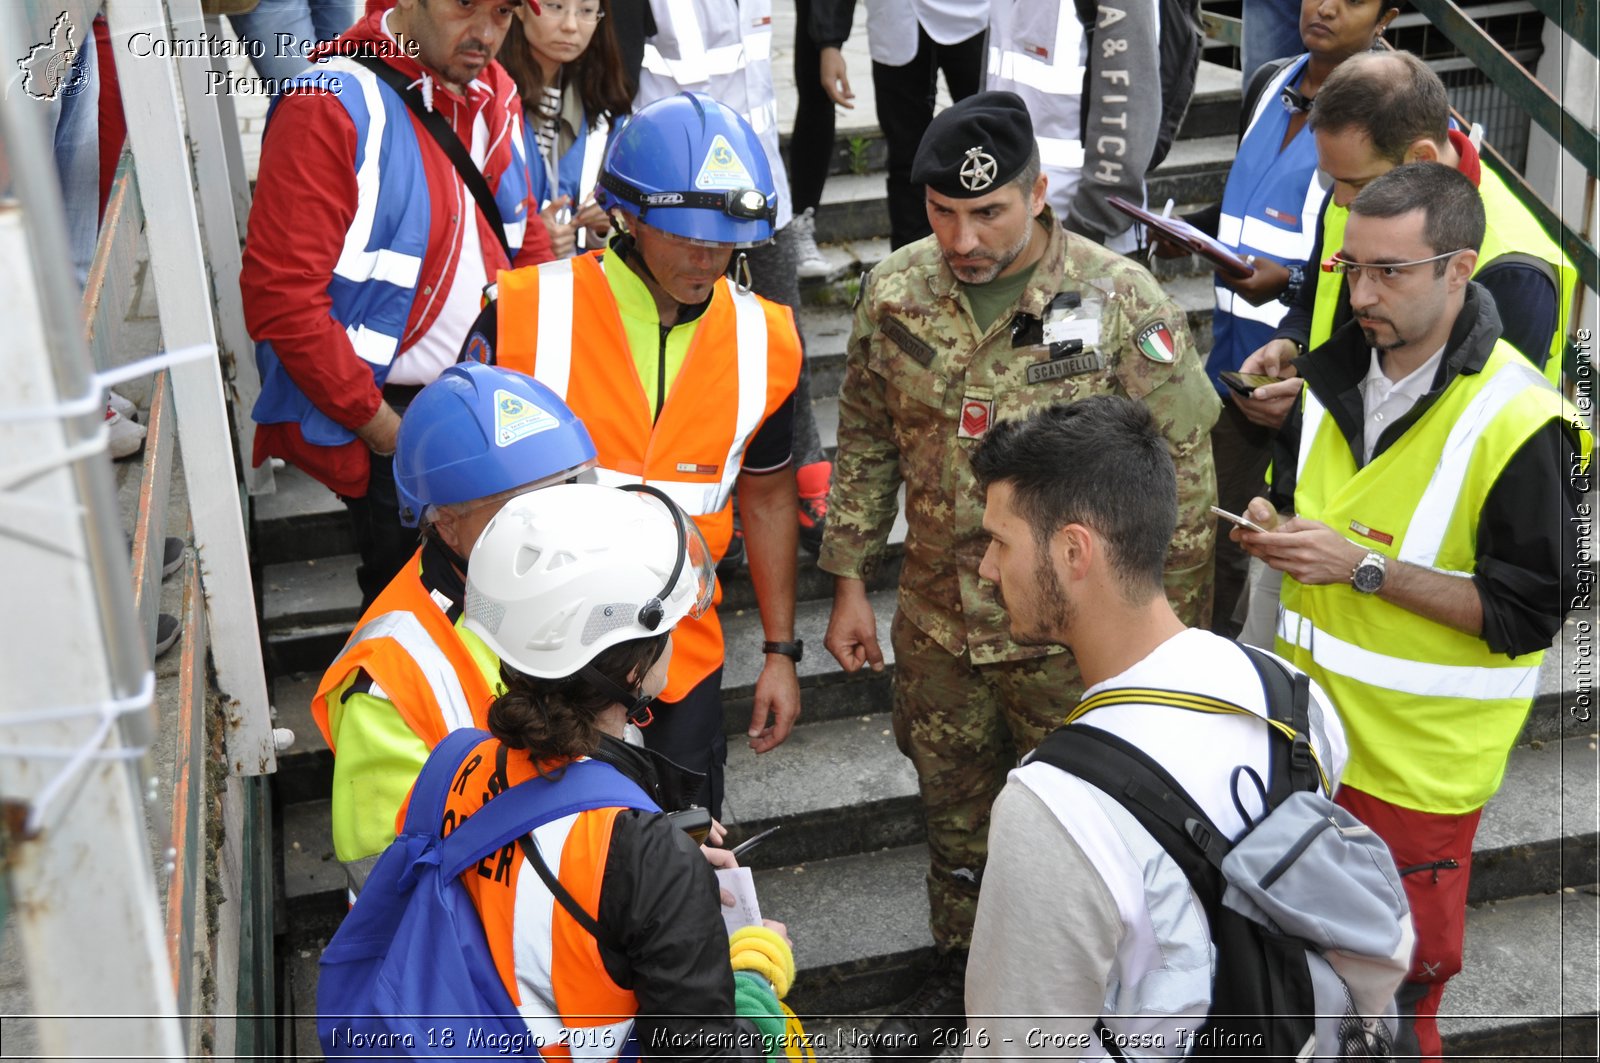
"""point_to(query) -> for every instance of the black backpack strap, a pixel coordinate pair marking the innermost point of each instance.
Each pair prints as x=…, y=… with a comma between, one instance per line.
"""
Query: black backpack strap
x=1257, y=84
x=531, y=850
x=439, y=128
x=1288, y=697
x=1145, y=789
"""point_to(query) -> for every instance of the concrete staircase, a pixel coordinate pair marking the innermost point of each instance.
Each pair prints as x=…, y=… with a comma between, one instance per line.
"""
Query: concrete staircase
x=846, y=872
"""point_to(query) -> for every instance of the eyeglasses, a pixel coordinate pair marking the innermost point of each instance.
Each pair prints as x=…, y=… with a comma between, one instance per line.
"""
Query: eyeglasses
x=1382, y=272
x=556, y=10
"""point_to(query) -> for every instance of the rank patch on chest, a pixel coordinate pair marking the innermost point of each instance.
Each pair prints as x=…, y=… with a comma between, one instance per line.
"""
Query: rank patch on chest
x=1155, y=343
x=1061, y=368
x=919, y=349
x=516, y=418
x=697, y=470
x=975, y=417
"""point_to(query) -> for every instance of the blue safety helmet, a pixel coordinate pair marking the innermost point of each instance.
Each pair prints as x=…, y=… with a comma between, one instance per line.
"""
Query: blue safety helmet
x=479, y=430
x=690, y=166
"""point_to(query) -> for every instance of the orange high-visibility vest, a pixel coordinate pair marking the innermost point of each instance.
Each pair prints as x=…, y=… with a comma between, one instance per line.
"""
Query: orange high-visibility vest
x=568, y=999
x=743, y=361
x=409, y=647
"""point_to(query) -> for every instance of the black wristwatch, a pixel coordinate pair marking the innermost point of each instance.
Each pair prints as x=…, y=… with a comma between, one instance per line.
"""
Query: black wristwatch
x=793, y=650
x=1297, y=280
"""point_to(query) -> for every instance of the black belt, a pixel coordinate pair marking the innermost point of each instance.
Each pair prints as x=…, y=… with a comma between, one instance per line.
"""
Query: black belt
x=399, y=396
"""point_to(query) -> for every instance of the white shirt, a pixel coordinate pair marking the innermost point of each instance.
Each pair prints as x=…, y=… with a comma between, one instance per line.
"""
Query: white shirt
x=892, y=25
x=1384, y=401
x=1081, y=913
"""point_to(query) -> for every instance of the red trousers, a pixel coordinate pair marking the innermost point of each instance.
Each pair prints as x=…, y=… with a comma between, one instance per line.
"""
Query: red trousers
x=1434, y=854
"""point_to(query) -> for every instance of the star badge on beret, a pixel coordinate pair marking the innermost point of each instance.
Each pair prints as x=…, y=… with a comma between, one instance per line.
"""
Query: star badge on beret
x=977, y=170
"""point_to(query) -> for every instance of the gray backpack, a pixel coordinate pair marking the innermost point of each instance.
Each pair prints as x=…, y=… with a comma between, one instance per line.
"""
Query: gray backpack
x=1308, y=917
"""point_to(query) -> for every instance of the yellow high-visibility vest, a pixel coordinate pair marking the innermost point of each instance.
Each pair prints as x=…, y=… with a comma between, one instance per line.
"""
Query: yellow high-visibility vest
x=1430, y=712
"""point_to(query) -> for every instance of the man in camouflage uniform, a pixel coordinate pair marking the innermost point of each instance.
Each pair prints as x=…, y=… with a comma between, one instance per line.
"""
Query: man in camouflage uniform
x=999, y=313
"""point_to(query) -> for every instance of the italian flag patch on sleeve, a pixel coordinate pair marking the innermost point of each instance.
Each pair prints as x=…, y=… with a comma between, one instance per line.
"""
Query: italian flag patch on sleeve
x=1155, y=343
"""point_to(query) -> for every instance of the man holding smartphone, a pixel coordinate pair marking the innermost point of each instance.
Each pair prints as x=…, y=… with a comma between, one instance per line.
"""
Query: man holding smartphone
x=1434, y=482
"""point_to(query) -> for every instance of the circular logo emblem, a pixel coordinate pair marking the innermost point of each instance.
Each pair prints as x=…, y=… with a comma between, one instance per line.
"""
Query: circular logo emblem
x=977, y=170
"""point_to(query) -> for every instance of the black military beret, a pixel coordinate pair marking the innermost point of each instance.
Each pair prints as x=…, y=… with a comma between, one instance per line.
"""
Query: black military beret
x=975, y=146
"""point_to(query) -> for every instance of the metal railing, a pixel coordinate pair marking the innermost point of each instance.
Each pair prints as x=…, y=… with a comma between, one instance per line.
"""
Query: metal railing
x=1577, y=19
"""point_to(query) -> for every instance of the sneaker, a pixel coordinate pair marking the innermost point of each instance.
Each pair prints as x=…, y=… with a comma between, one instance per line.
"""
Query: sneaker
x=938, y=1007
x=809, y=261
x=122, y=405
x=814, y=481
x=733, y=557
x=172, y=553
x=167, y=631
x=127, y=437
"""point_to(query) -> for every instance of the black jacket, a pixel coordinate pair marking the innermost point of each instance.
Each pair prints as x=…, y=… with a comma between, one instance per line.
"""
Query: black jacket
x=661, y=918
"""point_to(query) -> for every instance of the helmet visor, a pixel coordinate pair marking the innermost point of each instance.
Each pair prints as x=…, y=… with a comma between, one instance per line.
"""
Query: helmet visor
x=693, y=580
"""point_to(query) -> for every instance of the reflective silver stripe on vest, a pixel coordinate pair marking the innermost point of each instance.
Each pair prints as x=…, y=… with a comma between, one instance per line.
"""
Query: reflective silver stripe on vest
x=533, y=960
x=1310, y=424
x=1431, y=518
x=594, y=150
x=356, y=263
x=553, y=367
x=1404, y=676
x=407, y=631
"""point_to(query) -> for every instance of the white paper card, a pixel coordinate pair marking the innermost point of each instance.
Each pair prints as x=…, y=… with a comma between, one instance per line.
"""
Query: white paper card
x=1073, y=328
x=745, y=911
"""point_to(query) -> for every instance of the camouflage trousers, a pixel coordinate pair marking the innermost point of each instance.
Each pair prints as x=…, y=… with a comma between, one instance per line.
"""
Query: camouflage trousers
x=965, y=726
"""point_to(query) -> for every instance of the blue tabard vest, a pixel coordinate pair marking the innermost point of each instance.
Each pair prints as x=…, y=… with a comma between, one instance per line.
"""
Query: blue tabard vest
x=1269, y=209
x=374, y=283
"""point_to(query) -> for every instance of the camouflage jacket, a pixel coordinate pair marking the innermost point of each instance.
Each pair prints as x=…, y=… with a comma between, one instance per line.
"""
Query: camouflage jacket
x=922, y=385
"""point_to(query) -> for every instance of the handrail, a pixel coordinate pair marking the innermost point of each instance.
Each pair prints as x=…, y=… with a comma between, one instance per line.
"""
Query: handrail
x=1512, y=78
x=1576, y=19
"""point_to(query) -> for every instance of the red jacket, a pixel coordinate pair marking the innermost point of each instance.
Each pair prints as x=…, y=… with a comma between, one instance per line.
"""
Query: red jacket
x=305, y=201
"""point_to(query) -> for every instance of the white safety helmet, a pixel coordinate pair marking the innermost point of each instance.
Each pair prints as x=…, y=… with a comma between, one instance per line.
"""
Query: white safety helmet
x=561, y=574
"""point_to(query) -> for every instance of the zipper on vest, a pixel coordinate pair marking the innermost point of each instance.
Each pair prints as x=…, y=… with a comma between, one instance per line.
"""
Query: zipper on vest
x=661, y=372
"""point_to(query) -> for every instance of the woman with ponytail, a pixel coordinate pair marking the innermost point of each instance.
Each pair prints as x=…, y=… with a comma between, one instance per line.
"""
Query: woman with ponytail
x=607, y=924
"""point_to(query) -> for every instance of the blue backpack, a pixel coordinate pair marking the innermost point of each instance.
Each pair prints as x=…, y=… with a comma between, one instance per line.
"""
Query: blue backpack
x=409, y=973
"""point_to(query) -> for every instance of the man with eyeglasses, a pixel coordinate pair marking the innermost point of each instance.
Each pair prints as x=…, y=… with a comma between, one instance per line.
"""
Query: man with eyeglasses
x=1434, y=482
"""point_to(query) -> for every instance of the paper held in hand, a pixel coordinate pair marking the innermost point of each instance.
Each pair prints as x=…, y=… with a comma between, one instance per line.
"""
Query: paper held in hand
x=742, y=885
x=1180, y=232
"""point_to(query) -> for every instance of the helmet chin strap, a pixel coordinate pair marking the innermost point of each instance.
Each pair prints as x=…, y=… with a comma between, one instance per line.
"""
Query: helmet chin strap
x=635, y=702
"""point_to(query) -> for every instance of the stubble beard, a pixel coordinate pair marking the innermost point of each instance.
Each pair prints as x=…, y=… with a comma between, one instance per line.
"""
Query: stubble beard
x=1054, y=614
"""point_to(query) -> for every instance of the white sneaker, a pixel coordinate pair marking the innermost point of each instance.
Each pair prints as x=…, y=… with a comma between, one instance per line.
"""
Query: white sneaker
x=127, y=437
x=122, y=405
x=809, y=261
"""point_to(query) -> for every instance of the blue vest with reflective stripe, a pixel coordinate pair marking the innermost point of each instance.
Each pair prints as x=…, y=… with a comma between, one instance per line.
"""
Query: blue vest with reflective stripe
x=374, y=282
x=1269, y=209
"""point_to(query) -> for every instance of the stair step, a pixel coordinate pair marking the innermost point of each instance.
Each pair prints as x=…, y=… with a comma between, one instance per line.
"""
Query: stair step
x=827, y=692
x=300, y=520
x=841, y=790
x=837, y=787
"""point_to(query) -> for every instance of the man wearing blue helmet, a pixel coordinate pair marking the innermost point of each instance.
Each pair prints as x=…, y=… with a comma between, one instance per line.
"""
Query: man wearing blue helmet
x=410, y=673
x=685, y=380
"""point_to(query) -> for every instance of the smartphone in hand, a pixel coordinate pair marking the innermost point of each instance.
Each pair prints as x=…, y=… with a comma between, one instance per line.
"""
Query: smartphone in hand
x=1243, y=522
x=1245, y=383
